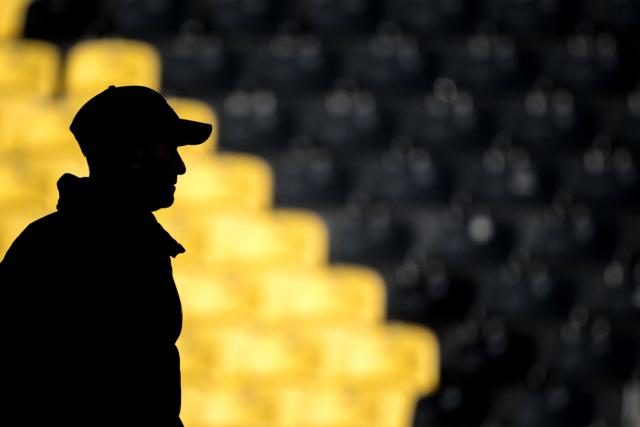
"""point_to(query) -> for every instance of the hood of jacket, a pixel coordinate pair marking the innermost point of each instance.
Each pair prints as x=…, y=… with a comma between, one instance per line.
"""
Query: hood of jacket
x=82, y=200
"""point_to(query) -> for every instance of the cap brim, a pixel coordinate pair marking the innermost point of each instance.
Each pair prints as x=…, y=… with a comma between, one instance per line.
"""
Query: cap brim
x=190, y=132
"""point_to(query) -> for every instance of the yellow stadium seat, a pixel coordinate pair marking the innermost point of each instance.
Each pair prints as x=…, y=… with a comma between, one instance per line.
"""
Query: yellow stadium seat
x=298, y=404
x=29, y=68
x=323, y=405
x=193, y=109
x=394, y=354
x=42, y=130
x=364, y=289
x=302, y=236
x=14, y=186
x=241, y=238
x=316, y=295
x=246, y=353
x=265, y=238
x=222, y=407
x=41, y=147
x=93, y=65
x=318, y=405
x=12, y=17
x=211, y=298
x=230, y=180
x=11, y=109
x=389, y=406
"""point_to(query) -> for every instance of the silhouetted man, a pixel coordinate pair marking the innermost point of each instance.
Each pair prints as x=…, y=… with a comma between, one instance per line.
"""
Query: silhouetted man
x=90, y=311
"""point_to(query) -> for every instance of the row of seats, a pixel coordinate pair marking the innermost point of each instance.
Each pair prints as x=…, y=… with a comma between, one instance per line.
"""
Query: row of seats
x=64, y=19
x=446, y=118
x=603, y=172
x=33, y=67
x=285, y=295
x=389, y=58
x=527, y=290
x=375, y=356
x=345, y=118
x=297, y=404
x=540, y=402
x=459, y=233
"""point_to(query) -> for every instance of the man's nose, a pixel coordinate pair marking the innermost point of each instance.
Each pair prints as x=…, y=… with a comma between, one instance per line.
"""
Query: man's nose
x=180, y=166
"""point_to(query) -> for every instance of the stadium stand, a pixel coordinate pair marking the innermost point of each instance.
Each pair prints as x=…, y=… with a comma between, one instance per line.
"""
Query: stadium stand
x=411, y=213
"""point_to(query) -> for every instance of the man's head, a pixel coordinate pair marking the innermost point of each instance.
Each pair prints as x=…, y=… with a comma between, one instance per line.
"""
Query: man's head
x=130, y=137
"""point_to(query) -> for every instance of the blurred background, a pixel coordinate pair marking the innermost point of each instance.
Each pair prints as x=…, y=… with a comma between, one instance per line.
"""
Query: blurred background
x=410, y=212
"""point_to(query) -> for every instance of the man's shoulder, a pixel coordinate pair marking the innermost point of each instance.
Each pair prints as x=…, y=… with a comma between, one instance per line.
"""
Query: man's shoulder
x=37, y=236
x=42, y=227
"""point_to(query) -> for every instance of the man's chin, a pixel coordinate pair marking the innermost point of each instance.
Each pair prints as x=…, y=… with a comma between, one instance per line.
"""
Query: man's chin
x=161, y=204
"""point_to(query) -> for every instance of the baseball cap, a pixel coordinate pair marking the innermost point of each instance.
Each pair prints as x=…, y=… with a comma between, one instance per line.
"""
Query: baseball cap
x=133, y=110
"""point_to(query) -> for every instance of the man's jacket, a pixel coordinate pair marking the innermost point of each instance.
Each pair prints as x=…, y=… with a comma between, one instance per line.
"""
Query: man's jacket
x=90, y=317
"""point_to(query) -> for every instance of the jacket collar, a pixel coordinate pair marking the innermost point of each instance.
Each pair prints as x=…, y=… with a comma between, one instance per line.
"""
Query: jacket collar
x=80, y=198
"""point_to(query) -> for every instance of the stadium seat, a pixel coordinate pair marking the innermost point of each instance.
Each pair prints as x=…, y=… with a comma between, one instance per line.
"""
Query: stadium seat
x=338, y=15
x=548, y=405
x=615, y=293
x=229, y=352
x=308, y=175
x=229, y=180
x=547, y=117
x=566, y=230
x=626, y=128
x=42, y=153
x=240, y=238
x=254, y=121
x=585, y=62
x=430, y=293
x=63, y=21
x=404, y=174
x=526, y=291
x=11, y=180
x=619, y=16
x=301, y=295
x=603, y=174
x=52, y=135
x=223, y=406
x=233, y=15
x=290, y=61
x=444, y=119
x=454, y=405
x=141, y=19
x=472, y=233
x=533, y=17
x=432, y=16
x=211, y=298
x=348, y=120
x=389, y=59
x=320, y=405
x=11, y=108
x=12, y=17
x=366, y=231
x=487, y=61
x=93, y=65
x=194, y=63
x=504, y=173
x=399, y=354
x=487, y=351
x=29, y=68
